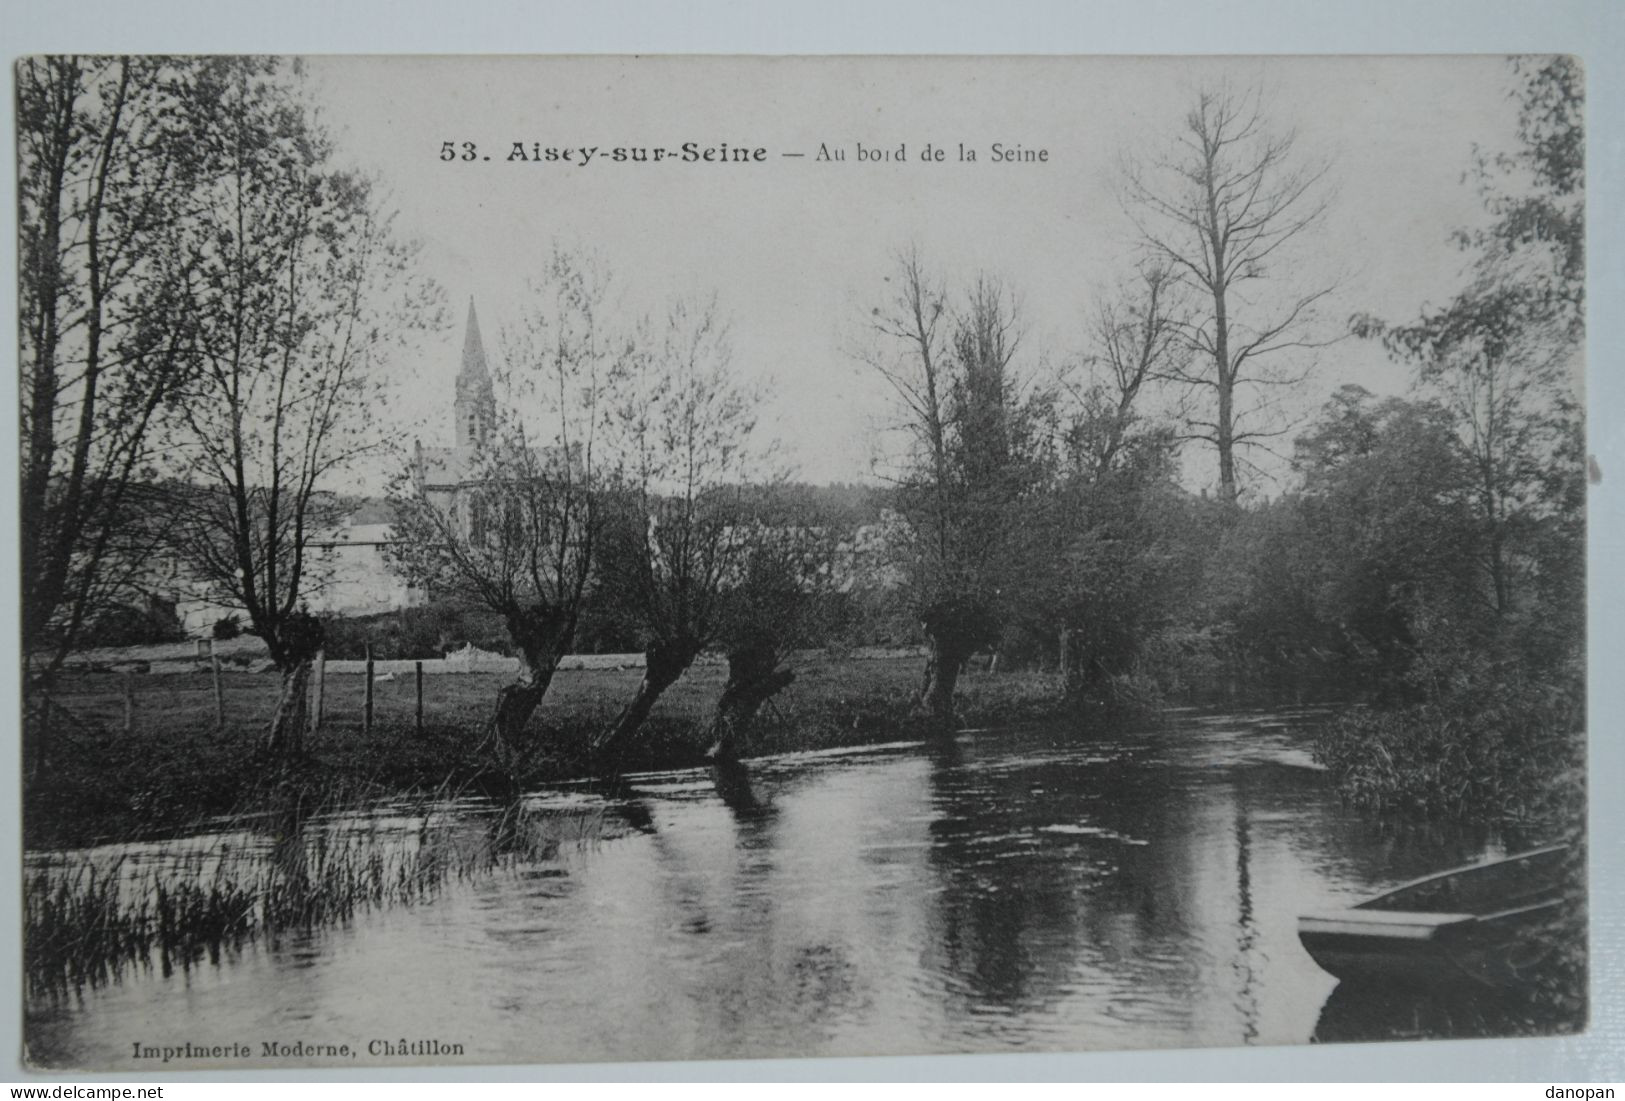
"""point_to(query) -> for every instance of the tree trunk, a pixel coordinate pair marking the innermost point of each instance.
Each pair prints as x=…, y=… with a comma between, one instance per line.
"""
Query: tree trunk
x=1498, y=569
x=957, y=628
x=1072, y=665
x=516, y=703
x=936, y=703
x=286, y=737
x=753, y=679
x=1225, y=439
x=294, y=642
x=543, y=635
x=663, y=662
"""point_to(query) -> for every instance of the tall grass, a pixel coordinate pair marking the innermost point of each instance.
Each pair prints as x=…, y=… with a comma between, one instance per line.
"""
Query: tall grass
x=90, y=919
x=1513, y=754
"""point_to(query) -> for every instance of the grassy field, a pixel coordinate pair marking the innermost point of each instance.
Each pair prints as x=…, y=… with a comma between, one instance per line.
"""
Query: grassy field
x=175, y=764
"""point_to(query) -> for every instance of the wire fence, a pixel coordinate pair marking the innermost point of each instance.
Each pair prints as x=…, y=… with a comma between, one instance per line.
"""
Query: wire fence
x=221, y=700
x=180, y=706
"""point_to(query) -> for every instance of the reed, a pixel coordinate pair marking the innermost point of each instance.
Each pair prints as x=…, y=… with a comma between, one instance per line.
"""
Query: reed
x=89, y=920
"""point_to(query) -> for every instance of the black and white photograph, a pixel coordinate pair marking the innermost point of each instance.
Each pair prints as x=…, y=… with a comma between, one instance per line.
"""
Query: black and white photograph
x=603, y=559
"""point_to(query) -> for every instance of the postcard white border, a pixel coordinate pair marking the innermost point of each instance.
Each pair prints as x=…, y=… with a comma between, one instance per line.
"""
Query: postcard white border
x=1592, y=29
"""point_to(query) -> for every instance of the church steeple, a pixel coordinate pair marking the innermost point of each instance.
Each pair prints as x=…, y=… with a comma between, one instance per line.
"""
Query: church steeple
x=475, y=408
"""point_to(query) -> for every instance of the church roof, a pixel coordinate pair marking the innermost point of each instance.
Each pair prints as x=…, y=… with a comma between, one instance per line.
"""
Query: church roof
x=473, y=368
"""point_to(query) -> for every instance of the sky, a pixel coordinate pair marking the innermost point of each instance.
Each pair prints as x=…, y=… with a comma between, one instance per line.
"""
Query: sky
x=796, y=249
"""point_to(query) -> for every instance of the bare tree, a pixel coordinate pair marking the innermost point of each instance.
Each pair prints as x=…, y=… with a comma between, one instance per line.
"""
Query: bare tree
x=1138, y=336
x=285, y=274
x=909, y=349
x=1223, y=209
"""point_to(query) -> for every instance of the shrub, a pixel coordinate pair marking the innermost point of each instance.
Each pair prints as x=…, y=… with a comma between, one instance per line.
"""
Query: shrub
x=129, y=625
x=1505, y=750
x=417, y=633
x=227, y=627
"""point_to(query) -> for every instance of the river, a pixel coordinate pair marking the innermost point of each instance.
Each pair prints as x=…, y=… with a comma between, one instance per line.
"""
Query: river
x=1034, y=890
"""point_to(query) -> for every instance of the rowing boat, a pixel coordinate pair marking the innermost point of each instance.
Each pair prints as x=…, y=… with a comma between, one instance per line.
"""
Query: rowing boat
x=1486, y=923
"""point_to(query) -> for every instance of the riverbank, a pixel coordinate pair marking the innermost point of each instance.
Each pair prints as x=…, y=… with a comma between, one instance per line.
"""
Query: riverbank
x=132, y=756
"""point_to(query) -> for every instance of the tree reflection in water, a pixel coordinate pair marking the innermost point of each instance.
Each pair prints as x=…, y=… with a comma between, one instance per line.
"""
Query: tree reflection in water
x=732, y=780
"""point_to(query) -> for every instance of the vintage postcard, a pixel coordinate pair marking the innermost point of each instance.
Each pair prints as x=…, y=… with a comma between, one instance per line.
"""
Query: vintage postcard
x=578, y=559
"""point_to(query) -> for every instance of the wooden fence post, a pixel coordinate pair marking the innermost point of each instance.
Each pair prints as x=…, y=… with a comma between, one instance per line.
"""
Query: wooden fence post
x=366, y=720
x=129, y=704
x=318, y=689
x=219, y=693
x=420, y=699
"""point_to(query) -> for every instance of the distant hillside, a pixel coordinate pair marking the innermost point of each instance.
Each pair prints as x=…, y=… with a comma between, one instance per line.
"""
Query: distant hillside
x=842, y=504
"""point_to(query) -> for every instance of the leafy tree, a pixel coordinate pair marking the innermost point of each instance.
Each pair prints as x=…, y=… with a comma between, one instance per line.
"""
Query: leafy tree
x=1536, y=191
x=1497, y=662
x=1103, y=578
x=1137, y=334
x=688, y=523
x=1503, y=355
x=776, y=604
x=1386, y=506
x=1116, y=577
x=1224, y=208
x=107, y=176
x=522, y=536
x=1258, y=594
x=285, y=275
x=977, y=458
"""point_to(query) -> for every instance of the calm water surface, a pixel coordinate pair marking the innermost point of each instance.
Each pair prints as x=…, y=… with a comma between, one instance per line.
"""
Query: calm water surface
x=1035, y=890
